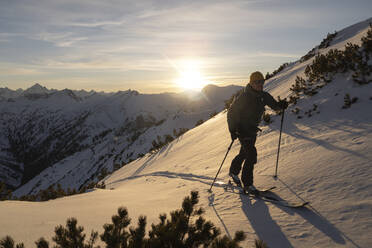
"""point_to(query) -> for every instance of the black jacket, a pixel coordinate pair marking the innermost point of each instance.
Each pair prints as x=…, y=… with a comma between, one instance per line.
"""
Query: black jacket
x=245, y=113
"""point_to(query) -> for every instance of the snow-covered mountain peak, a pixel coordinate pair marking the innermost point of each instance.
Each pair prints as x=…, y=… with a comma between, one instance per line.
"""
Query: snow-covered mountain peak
x=126, y=93
x=6, y=93
x=68, y=93
x=37, y=89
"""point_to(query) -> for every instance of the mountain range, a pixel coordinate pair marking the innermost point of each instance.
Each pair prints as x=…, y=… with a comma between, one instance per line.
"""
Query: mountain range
x=44, y=131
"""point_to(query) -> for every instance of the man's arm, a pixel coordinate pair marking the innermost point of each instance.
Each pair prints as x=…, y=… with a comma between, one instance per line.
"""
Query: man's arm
x=272, y=103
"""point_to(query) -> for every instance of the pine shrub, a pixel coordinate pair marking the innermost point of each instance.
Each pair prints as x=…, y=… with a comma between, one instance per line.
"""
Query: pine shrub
x=324, y=44
x=103, y=173
x=282, y=67
x=42, y=243
x=367, y=41
x=299, y=86
x=327, y=41
x=348, y=101
x=353, y=58
x=51, y=193
x=5, y=193
x=115, y=234
x=296, y=111
x=8, y=242
x=185, y=227
x=310, y=112
x=309, y=55
x=199, y=122
x=117, y=166
x=267, y=76
x=159, y=143
x=180, y=132
x=260, y=244
x=267, y=118
x=70, y=236
x=213, y=114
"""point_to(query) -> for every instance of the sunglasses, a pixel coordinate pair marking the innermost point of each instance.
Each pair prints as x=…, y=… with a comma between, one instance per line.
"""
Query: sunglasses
x=259, y=82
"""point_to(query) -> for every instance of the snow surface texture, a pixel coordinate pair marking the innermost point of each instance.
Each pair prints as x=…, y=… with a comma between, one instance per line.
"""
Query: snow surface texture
x=325, y=159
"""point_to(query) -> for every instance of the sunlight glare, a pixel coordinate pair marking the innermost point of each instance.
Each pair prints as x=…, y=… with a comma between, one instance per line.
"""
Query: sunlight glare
x=190, y=76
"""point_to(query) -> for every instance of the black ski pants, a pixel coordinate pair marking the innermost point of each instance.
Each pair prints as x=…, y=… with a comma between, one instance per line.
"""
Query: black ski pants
x=248, y=155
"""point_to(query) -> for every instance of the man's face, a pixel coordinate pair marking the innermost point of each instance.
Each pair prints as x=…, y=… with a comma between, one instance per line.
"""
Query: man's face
x=258, y=85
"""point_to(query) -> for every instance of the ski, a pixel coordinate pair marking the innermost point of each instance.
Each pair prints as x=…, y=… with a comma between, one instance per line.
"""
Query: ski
x=233, y=186
x=277, y=201
x=263, y=194
x=259, y=191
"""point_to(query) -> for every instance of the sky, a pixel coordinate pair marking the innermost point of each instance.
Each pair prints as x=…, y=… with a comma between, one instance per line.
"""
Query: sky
x=160, y=45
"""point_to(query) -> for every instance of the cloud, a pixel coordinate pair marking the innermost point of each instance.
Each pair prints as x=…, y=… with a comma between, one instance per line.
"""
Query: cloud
x=59, y=39
x=161, y=26
x=7, y=37
x=91, y=24
x=118, y=36
x=15, y=69
x=279, y=55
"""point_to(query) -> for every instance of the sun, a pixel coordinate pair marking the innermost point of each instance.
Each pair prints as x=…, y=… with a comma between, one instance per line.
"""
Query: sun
x=190, y=76
x=191, y=79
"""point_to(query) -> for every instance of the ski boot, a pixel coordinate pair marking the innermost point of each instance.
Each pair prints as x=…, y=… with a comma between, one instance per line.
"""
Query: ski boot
x=250, y=189
x=236, y=179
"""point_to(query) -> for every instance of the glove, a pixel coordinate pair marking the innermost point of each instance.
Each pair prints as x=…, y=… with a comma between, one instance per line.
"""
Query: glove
x=234, y=135
x=283, y=104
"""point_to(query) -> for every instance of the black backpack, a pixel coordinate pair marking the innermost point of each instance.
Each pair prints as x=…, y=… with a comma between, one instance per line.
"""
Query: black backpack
x=233, y=112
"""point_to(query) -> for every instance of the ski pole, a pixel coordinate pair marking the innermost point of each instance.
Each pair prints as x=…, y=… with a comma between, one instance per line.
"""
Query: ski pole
x=228, y=149
x=280, y=137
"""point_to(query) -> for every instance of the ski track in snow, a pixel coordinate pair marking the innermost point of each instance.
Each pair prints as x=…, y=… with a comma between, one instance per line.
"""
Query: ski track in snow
x=168, y=174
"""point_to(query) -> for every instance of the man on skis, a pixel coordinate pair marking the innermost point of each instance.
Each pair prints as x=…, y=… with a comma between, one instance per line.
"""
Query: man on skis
x=243, y=117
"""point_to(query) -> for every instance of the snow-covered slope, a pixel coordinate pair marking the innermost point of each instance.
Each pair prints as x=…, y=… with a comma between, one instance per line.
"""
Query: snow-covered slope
x=325, y=159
